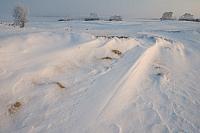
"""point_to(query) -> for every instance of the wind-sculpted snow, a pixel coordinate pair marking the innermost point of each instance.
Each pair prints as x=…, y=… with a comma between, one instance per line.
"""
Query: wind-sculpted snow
x=86, y=81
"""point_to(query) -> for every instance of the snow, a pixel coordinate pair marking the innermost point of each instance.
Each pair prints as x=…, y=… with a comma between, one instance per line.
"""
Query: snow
x=61, y=77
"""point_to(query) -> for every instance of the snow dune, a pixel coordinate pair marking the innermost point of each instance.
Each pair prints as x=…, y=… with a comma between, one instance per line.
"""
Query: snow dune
x=60, y=81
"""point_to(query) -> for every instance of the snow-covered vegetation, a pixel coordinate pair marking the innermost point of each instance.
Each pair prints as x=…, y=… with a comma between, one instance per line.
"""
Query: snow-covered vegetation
x=20, y=14
x=187, y=16
x=92, y=17
x=167, y=16
x=115, y=18
x=100, y=77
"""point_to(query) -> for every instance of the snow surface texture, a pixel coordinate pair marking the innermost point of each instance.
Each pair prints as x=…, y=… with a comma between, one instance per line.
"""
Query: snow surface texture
x=58, y=77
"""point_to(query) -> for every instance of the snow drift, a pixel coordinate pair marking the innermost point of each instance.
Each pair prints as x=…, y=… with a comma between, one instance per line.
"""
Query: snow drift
x=61, y=81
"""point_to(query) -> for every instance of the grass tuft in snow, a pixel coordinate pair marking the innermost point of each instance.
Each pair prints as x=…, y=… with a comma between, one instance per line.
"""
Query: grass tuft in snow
x=107, y=58
x=111, y=37
x=117, y=52
x=14, y=107
x=159, y=74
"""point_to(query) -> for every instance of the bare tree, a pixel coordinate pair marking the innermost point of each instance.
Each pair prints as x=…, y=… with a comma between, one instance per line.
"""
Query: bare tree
x=20, y=14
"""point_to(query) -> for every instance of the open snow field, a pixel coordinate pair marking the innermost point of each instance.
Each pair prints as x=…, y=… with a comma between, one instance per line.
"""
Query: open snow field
x=88, y=77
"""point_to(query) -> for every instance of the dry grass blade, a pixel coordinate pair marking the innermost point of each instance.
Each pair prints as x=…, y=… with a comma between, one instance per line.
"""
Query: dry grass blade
x=106, y=58
x=60, y=85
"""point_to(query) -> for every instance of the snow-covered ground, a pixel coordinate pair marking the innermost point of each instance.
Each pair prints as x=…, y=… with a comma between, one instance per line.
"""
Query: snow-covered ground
x=69, y=77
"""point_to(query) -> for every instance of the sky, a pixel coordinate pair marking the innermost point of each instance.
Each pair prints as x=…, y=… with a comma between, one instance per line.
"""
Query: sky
x=126, y=8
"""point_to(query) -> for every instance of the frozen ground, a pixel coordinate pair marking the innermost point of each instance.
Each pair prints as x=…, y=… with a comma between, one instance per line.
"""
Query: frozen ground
x=60, y=77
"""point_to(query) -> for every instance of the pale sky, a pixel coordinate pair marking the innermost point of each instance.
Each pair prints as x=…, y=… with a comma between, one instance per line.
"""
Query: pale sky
x=126, y=8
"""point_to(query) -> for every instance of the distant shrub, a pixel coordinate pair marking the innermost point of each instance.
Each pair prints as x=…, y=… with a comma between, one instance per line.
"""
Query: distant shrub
x=167, y=16
x=187, y=16
x=92, y=17
x=115, y=18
